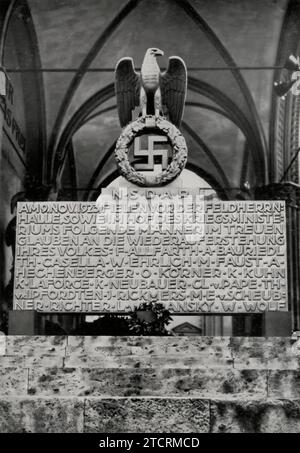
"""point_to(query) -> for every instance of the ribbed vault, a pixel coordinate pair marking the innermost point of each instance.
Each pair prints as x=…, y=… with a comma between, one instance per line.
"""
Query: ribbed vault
x=89, y=37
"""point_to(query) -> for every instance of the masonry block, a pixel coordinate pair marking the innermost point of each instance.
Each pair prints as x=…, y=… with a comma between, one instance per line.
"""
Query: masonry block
x=284, y=384
x=151, y=351
x=147, y=382
x=23, y=361
x=40, y=415
x=35, y=345
x=265, y=353
x=146, y=415
x=13, y=381
x=262, y=416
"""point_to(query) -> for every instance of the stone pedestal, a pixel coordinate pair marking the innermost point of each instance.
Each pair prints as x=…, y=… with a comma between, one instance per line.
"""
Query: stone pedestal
x=149, y=384
x=277, y=324
x=24, y=322
x=290, y=193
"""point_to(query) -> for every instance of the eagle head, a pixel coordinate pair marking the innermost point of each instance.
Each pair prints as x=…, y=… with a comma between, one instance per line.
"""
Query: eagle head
x=154, y=51
x=150, y=70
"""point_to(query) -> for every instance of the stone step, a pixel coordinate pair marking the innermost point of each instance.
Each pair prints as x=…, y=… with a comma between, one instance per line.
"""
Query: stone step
x=151, y=382
x=147, y=415
x=105, y=360
x=147, y=382
x=182, y=352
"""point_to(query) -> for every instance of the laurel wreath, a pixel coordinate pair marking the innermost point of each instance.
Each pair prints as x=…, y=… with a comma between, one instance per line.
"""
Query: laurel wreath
x=175, y=167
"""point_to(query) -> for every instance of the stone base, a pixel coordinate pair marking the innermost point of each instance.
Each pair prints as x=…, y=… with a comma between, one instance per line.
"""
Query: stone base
x=24, y=322
x=149, y=384
x=277, y=324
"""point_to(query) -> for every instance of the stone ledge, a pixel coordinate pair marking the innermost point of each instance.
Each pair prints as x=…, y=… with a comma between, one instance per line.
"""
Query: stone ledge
x=166, y=360
x=79, y=351
x=170, y=382
x=148, y=415
x=82, y=345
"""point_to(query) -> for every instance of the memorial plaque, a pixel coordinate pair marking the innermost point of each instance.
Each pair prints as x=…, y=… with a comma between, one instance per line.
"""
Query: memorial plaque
x=138, y=245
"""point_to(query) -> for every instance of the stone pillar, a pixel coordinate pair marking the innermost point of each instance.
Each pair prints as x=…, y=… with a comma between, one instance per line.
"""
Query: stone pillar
x=2, y=275
x=25, y=322
x=284, y=323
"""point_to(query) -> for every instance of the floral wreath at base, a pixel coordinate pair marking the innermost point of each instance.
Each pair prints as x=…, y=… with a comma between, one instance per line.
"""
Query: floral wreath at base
x=157, y=326
x=174, y=168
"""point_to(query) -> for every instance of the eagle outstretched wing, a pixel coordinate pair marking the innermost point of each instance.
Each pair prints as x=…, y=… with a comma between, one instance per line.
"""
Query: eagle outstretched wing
x=173, y=89
x=127, y=84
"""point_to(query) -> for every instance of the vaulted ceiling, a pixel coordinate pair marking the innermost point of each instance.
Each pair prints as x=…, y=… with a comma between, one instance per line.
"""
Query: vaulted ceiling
x=227, y=115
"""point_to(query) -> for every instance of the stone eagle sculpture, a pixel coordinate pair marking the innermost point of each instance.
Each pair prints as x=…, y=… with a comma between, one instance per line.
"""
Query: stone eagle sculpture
x=157, y=93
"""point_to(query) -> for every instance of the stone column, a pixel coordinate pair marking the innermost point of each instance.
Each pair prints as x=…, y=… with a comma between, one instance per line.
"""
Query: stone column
x=281, y=324
x=1, y=222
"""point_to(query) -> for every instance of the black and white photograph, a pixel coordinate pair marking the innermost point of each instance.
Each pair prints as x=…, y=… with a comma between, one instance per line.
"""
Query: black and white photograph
x=149, y=220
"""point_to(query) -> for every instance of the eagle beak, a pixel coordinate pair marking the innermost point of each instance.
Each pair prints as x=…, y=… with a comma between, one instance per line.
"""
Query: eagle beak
x=159, y=53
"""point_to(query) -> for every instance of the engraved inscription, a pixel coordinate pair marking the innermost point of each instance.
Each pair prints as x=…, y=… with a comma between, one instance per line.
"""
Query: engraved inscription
x=193, y=255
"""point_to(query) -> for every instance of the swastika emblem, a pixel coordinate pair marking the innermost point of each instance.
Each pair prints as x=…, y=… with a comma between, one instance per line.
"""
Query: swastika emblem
x=150, y=153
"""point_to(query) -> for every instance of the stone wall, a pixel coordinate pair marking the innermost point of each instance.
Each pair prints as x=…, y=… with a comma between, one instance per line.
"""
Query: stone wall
x=149, y=384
